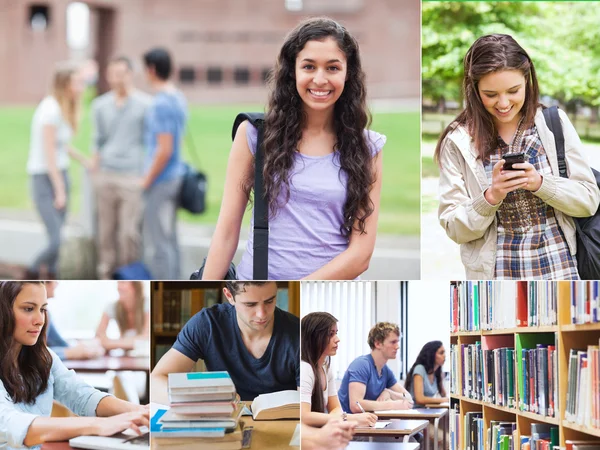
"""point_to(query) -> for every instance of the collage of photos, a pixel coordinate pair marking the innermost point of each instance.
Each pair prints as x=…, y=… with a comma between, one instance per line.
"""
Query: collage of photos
x=300, y=224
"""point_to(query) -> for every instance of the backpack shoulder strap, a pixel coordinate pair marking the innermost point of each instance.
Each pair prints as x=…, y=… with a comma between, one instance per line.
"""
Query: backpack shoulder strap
x=553, y=121
x=255, y=118
x=260, y=270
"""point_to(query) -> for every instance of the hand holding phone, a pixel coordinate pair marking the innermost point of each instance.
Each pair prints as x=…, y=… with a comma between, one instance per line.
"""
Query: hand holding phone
x=512, y=158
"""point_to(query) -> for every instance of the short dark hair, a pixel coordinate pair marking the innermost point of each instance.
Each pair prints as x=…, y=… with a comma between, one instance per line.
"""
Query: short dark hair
x=160, y=60
x=122, y=59
x=235, y=287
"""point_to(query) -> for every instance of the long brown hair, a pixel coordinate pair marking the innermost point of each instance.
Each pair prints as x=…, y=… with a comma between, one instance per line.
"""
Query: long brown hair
x=121, y=315
x=69, y=107
x=315, y=329
x=285, y=120
x=24, y=370
x=489, y=54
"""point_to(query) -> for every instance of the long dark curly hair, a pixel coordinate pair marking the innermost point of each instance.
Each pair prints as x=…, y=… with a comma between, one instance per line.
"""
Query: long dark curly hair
x=426, y=358
x=25, y=370
x=285, y=119
x=489, y=54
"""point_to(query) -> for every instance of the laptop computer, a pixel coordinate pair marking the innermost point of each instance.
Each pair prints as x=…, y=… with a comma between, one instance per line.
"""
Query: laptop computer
x=121, y=441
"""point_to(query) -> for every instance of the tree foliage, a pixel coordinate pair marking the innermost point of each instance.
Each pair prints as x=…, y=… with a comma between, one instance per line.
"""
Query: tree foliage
x=562, y=39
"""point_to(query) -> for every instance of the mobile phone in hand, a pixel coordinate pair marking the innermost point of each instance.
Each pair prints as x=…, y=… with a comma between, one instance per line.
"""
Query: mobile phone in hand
x=512, y=158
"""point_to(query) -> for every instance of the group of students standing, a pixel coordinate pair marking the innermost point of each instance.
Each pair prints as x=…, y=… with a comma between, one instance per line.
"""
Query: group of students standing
x=135, y=165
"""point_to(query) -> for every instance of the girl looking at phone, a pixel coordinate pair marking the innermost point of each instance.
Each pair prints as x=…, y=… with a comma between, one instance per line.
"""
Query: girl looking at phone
x=510, y=224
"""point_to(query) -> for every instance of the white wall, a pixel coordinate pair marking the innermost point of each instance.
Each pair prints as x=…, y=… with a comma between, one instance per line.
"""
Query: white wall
x=428, y=317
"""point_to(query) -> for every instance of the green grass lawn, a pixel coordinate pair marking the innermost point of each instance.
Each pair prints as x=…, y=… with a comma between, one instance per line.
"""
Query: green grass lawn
x=210, y=129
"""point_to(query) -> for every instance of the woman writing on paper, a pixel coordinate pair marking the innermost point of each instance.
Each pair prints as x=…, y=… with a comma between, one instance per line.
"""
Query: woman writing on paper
x=32, y=377
x=319, y=402
x=501, y=195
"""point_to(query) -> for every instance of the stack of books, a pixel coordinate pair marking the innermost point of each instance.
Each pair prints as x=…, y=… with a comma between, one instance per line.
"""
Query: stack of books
x=203, y=407
x=543, y=437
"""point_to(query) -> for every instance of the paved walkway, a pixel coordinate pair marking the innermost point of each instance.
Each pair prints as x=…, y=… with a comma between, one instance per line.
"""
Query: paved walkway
x=394, y=258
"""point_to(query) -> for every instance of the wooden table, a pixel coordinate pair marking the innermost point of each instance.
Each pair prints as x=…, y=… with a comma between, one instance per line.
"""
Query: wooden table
x=355, y=445
x=116, y=363
x=56, y=446
x=105, y=363
x=397, y=428
x=433, y=415
x=270, y=433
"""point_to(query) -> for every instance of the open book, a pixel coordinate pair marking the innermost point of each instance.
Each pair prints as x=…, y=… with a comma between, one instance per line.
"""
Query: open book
x=277, y=405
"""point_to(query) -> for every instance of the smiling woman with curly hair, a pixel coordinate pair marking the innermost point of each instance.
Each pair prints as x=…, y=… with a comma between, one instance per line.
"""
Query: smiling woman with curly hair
x=322, y=166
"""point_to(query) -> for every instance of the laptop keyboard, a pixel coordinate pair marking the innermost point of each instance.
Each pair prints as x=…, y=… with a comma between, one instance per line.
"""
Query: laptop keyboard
x=142, y=439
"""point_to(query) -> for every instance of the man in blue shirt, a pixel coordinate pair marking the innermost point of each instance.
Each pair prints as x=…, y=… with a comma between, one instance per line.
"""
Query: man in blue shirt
x=164, y=130
x=249, y=337
x=368, y=381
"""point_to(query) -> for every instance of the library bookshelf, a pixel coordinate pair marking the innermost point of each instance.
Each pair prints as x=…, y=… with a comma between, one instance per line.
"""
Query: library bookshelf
x=568, y=336
x=174, y=302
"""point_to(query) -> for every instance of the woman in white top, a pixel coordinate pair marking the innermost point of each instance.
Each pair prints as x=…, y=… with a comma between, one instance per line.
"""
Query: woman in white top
x=132, y=314
x=32, y=377
x=318, y=393
x=54, y=122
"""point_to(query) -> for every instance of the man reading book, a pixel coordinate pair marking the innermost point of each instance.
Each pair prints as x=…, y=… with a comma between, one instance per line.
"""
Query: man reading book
x=249, y=337
x=369, y=384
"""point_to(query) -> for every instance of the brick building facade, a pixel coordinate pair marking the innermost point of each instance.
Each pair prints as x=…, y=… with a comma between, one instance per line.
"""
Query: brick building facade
x=222, y=48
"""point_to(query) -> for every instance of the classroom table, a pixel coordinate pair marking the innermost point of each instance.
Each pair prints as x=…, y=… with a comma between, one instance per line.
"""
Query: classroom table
x=105, y=363
x=266, y=434
x=437, y=405
x=270, y=433
x=398, y=428
x=56, y=446
x=116, y=363
x=433, y=415
x=355, y=445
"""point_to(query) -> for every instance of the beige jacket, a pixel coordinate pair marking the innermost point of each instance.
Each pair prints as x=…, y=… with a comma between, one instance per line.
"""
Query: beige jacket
x=469, y=220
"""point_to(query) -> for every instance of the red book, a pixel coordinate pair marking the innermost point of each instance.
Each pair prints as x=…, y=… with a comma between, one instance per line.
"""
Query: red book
x=521, y=303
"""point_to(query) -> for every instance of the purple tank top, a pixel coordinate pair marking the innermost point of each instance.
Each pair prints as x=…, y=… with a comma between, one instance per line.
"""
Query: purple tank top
x=305, y=233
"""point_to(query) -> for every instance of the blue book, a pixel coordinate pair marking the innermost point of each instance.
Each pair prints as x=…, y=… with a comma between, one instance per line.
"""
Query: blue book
x=156, y=429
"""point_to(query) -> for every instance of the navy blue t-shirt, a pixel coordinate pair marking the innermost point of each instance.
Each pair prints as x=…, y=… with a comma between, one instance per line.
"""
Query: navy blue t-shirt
x=213, y=335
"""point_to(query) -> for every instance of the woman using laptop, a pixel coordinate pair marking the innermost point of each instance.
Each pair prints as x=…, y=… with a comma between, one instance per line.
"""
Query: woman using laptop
x=32, y=377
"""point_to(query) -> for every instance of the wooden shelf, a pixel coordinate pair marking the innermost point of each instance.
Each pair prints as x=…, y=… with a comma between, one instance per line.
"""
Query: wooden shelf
x=581, y=327
x=521, y=330
x=582, y=429
x=568, y=336
x=540, y=418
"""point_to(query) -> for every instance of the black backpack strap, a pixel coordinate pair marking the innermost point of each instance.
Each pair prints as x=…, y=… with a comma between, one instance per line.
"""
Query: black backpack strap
x=260, y=269
x=553, y=121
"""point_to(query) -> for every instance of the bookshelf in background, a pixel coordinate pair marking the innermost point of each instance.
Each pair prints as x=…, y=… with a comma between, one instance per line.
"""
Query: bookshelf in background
x=174, y=302
x=558, y=326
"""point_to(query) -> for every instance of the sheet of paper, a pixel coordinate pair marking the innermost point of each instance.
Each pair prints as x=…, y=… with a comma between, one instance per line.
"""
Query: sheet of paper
x=295, y=442
x=379, y=424
x=246, y=411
